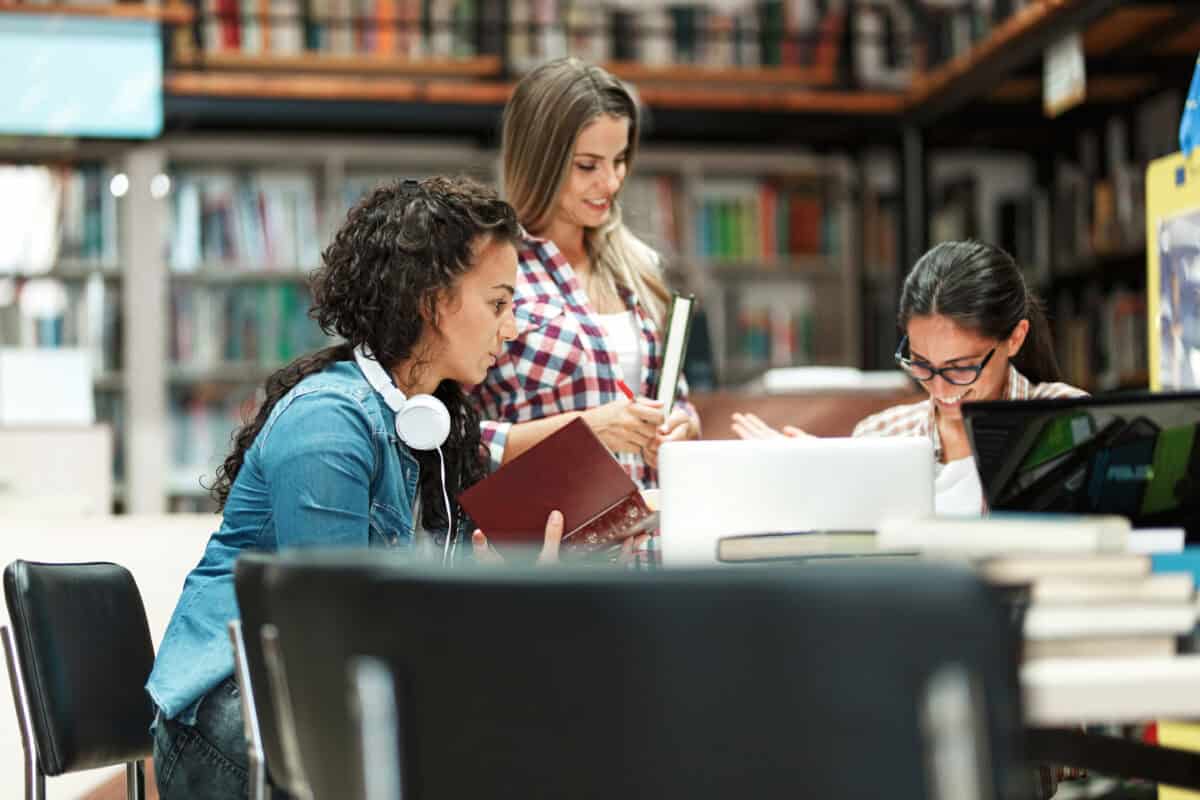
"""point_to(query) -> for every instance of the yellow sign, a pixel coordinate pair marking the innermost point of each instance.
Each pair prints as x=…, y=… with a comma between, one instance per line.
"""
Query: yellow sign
x=1183, y=736
x=1173, y=271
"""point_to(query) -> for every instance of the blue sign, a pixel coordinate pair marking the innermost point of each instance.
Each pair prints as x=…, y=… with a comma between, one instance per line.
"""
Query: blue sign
x=72, y=76
x=1189, y=124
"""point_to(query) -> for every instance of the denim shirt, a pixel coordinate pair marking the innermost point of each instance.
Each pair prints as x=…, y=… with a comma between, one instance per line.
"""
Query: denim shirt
x=326, y=470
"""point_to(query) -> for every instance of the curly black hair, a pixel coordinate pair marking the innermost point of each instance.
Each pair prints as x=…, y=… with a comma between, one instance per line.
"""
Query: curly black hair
x=401, y=247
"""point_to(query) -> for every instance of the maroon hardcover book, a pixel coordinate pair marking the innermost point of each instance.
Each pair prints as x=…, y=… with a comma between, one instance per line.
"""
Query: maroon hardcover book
x=570, y=470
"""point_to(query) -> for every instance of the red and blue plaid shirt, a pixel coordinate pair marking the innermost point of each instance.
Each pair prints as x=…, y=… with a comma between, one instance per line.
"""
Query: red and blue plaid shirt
x=560, y=360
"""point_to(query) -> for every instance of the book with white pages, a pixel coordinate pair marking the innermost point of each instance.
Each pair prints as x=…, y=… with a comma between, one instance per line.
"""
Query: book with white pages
x=1125, y=619
x=1014, y=569
x=1001, y=533
x=1156, y=540
x=786, y=546
x=1170, y=587
x=1067, y=691
x=677, y=329
x=1149, y=646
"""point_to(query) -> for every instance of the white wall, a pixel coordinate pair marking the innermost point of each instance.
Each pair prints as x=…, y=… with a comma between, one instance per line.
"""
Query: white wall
x=159, y=551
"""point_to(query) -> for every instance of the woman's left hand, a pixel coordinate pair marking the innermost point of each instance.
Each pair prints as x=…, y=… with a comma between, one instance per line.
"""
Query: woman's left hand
x=678, y=427
x=551, y=541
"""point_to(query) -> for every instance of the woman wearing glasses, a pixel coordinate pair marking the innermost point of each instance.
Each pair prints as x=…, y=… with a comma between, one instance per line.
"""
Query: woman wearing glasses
x=972, y=331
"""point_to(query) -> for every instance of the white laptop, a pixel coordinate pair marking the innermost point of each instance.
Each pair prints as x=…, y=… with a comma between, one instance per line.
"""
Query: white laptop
x=714, y=489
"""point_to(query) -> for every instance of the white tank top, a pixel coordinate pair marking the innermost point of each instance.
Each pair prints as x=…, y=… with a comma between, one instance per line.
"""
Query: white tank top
x=623, y=338
x=956, y=488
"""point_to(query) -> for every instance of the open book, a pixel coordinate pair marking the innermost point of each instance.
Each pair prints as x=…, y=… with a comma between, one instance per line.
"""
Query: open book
x=570, y=471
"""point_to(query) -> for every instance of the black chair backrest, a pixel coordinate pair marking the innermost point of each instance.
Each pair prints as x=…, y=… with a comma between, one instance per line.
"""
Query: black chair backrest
x=838, y=681
x=249, y=584
x=85, y=652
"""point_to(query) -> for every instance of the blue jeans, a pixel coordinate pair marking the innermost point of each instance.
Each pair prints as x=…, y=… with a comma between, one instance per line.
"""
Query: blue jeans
x=207, y=760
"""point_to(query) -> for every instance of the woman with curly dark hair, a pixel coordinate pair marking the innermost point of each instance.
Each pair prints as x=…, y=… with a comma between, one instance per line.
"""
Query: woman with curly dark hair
x=418, y=283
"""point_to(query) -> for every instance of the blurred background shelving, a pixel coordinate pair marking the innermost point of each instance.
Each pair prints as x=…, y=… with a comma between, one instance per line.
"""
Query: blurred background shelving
x=798, y=155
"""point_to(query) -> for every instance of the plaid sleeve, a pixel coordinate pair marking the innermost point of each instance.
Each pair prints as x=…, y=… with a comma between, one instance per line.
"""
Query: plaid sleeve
x=494, y=435
x=906, y=420
x=493, y=430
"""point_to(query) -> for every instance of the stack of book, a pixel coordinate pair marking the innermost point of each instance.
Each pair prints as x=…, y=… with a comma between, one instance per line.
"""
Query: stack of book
x=1093, y=589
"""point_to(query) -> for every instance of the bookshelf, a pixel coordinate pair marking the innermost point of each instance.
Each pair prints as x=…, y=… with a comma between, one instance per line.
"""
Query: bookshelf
x=1076, y=217
x=205, y=306
x=247, y=222
x=62, y=266
x=773, y=56
x=765, y=242
x=878, y=205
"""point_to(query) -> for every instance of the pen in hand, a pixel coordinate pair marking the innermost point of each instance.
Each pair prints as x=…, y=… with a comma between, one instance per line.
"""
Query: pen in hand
x=625, y=390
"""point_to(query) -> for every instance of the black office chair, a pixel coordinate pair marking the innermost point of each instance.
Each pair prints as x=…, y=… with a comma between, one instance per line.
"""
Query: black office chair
x=833, y=681
x=265, y=703
x=79, y=654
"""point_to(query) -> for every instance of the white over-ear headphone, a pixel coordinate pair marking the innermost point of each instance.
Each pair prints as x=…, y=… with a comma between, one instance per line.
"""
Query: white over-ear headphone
x=422, y=421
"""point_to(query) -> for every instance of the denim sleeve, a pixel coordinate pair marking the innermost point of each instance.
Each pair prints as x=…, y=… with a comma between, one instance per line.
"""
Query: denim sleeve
x=318, y=463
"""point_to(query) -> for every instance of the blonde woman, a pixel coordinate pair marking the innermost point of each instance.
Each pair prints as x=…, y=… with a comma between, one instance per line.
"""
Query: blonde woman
x=590, y=296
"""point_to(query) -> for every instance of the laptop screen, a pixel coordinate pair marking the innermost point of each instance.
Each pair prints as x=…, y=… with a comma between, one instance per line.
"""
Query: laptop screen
x=1129, y=454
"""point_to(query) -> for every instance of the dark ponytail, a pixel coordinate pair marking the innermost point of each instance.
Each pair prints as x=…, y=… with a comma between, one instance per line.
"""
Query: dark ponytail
x=401, y=247
x=981, y=288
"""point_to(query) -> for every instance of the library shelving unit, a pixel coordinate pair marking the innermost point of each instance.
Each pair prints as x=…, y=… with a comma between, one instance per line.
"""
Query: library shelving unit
x=65, y=262
x=457, y=60
x=1079, y=224
x=237, y=309
x=246, y=223
x=765, y=240
x=296, y=108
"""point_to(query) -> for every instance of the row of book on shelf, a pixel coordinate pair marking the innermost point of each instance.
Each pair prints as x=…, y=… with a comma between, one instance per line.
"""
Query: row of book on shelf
x=955, y=26
x=779, y=333
x=202, y=422
x=44, y=312
x=765, y=222
x=51, y=215
x=416, y=29
x=264, y=324
x=265, y=220
x=767, y=33
x=271, y=219
x=1102, y=338
x=1093, y=216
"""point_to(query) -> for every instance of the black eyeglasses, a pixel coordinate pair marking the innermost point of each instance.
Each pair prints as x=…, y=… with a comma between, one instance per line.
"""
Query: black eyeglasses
x=959, y=376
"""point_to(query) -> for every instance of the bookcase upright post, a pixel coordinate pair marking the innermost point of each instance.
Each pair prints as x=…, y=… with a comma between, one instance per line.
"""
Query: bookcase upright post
x=144, y=299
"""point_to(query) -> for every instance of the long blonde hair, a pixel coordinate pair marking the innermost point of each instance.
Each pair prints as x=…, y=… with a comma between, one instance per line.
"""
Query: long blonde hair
x=548, y=110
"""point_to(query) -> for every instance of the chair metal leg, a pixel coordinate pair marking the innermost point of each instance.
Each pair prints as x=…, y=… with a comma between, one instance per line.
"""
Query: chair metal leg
x=255, y=755
x=35, y=781
x=135, y=781
x=285, y=721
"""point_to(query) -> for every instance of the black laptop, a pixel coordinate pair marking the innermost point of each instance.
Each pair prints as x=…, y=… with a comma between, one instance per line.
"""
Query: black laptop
x=1129, y=454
